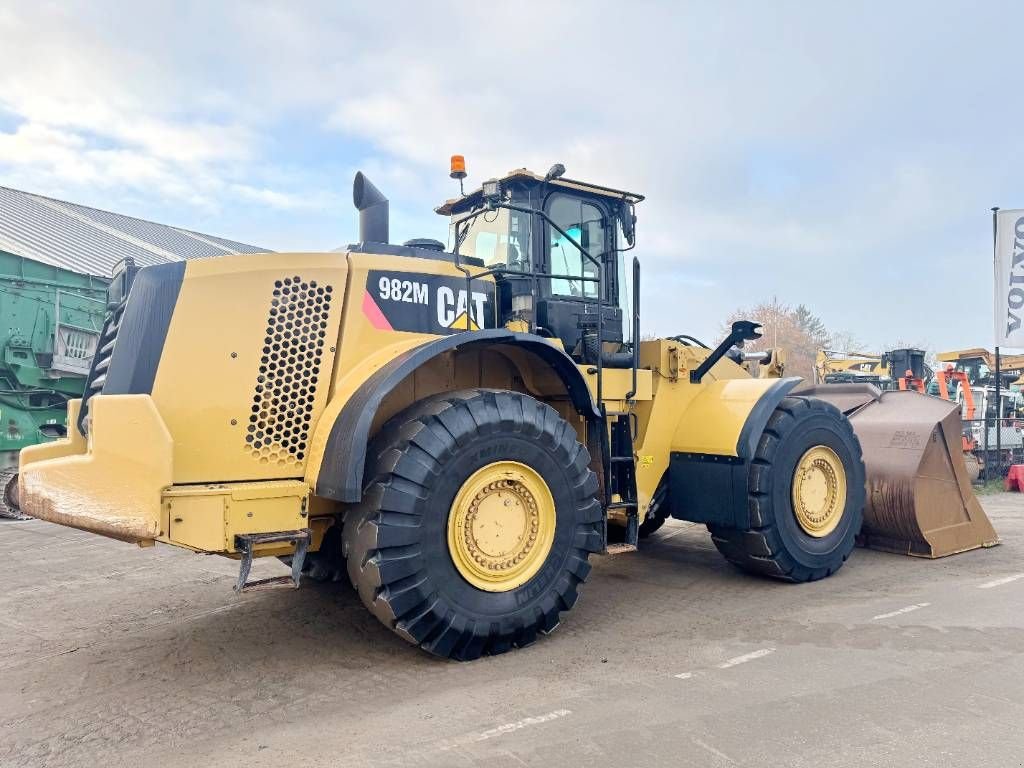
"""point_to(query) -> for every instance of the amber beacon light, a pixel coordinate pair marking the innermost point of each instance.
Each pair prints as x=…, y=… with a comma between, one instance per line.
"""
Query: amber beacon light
x=458, y=167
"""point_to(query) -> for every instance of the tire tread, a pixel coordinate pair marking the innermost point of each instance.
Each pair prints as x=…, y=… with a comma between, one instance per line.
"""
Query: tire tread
x=760, y=548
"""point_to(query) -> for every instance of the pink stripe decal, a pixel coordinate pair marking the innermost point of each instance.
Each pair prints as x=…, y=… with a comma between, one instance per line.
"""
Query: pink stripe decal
x=373, y=313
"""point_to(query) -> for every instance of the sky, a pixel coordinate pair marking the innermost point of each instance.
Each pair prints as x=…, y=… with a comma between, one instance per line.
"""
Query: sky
x=840, y=155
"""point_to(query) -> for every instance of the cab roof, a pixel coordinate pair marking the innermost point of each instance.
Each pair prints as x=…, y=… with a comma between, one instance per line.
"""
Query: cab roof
x=467, y=202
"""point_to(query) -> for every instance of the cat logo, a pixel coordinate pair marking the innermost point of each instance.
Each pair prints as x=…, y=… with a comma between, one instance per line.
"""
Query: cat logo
x=455, y=313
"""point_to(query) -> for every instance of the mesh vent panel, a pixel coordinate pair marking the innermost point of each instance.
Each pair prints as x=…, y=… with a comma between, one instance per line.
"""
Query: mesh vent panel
x=289, y=371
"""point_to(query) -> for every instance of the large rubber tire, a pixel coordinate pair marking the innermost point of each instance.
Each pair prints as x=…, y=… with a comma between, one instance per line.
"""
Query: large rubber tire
x=776, y=545
x=395, y=540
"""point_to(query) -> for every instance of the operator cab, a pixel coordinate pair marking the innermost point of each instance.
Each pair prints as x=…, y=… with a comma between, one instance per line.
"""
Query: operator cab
x=556, y=250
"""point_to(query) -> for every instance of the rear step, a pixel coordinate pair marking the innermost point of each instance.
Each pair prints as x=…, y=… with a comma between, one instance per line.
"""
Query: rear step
x=246, y=543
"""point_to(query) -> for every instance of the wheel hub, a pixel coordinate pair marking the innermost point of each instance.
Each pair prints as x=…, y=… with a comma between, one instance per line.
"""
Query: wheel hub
x=501, y=526
x=819, y=491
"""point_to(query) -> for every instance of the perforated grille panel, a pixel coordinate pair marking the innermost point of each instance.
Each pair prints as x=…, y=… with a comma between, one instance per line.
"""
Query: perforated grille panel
x=289, y=371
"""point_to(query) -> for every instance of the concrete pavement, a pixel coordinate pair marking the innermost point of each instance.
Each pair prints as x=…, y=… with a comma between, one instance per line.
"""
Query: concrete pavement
x=117, y=656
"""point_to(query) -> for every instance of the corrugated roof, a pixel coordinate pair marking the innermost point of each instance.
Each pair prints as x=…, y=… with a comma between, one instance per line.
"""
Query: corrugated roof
x=91, y=241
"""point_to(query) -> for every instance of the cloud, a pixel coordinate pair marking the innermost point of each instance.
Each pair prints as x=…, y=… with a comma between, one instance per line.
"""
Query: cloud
x=824, y=154
x=90, y=113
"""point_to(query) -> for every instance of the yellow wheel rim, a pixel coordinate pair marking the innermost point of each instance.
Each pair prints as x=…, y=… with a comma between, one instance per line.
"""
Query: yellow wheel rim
x=501, y=526
x=819, y=491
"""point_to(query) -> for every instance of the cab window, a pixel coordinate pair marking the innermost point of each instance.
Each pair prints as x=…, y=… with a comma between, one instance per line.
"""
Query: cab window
x=499, y=238
x=585, y=224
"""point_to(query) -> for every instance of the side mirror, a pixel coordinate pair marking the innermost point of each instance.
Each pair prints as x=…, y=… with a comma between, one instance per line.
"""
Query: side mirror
x=627, y=220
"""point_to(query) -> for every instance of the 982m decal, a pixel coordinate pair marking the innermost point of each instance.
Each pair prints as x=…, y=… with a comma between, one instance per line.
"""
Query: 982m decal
x=419, y=303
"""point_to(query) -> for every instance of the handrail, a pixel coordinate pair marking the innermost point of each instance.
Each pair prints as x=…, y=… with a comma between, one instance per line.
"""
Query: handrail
x=636, y=327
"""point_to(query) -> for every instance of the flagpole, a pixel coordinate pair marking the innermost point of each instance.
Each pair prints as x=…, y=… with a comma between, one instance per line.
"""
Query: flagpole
x=999, y=378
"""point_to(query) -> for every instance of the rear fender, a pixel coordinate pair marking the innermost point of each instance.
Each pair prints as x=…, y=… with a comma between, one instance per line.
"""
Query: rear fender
x=338, y=451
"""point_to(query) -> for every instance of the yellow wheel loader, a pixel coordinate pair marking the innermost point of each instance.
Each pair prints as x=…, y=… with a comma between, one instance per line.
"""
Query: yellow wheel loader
x=459, y=429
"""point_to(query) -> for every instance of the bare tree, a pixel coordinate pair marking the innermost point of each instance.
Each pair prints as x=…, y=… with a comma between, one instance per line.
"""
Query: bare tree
x=845, y=341
x=798, y=330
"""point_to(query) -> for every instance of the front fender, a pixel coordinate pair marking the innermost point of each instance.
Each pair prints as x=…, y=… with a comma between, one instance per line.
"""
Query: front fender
x=713, y=445
x=729, y=415
x=343, y=433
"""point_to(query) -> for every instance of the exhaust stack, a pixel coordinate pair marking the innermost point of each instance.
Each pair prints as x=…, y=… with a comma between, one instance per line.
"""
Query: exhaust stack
x=373, y=210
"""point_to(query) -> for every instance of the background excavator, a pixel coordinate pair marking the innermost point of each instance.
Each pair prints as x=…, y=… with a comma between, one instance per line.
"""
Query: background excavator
x=838, y=367
x=969, y=378
x=896, y=369
x=980, y=366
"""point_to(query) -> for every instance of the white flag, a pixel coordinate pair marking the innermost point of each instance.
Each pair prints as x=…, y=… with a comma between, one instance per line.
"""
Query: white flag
x=1009, y=277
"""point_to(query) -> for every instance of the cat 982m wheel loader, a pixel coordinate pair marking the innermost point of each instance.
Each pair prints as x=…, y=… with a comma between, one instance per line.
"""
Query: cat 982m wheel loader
x=458, y=429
